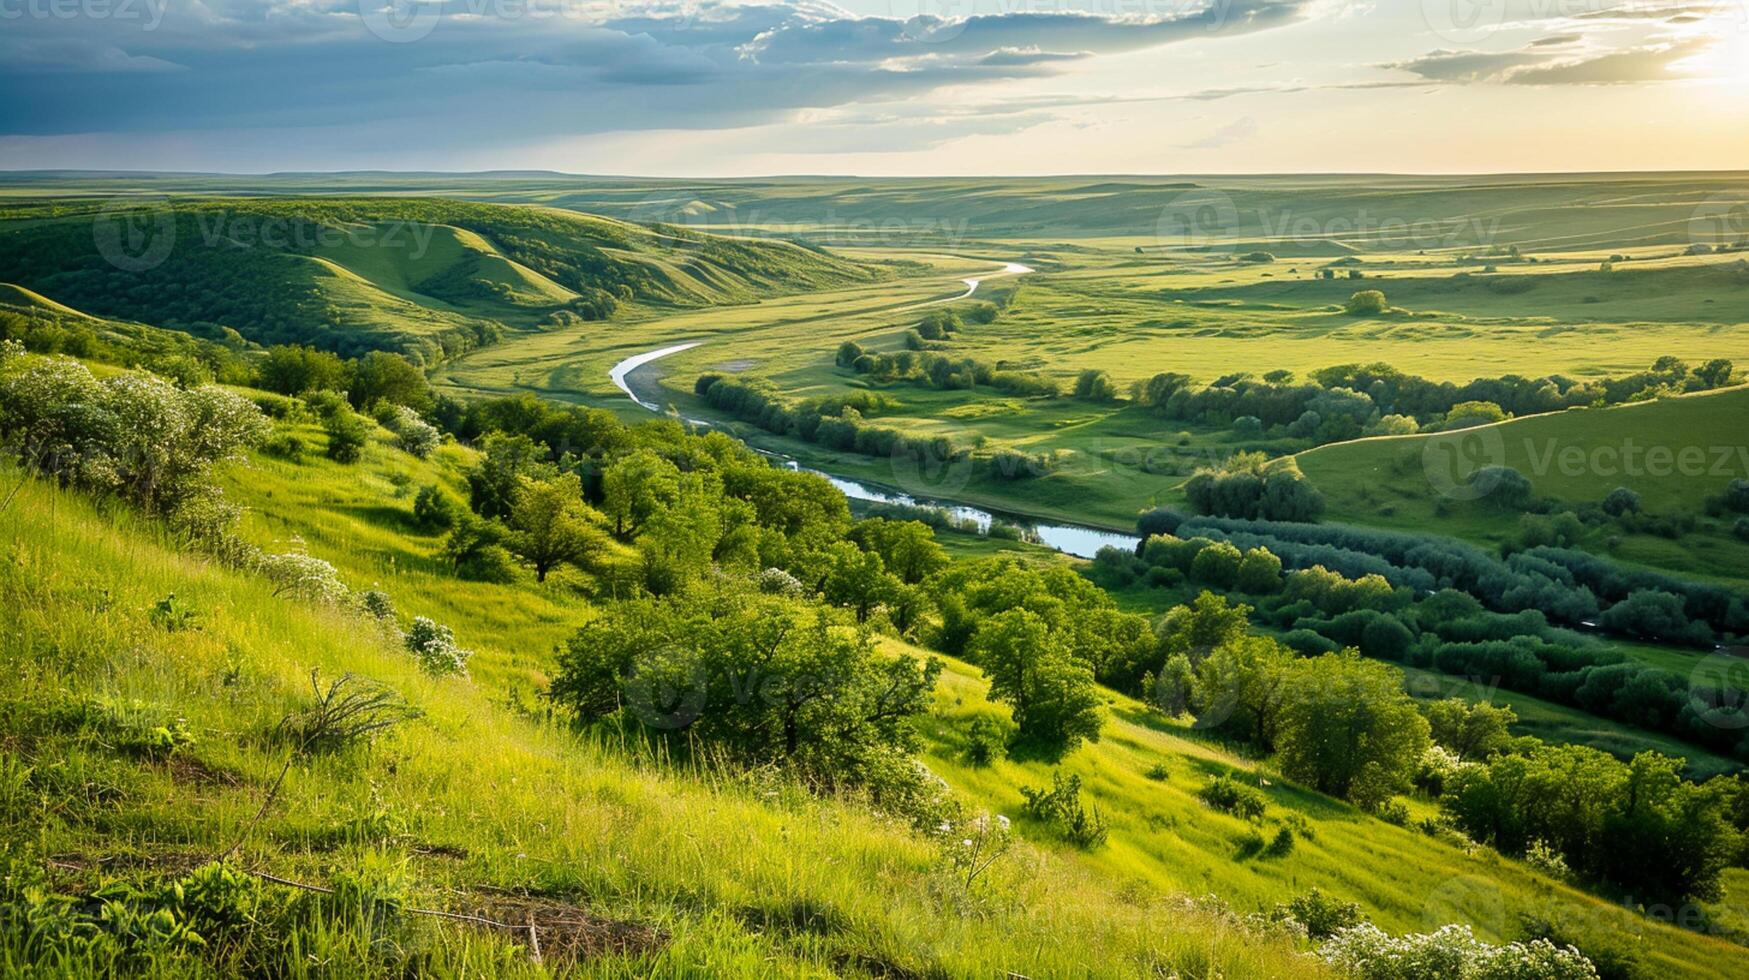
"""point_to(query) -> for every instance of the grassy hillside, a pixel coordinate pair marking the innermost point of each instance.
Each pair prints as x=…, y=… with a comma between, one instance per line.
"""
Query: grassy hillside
x=628, y=866
x=1674, y=452
x=1164, y=842
x=429, y=278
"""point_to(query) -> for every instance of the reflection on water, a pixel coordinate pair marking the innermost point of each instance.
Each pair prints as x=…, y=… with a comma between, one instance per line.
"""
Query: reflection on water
x=1070, y=539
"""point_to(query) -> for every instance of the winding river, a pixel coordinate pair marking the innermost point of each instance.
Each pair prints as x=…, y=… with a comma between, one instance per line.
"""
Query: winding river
x=1079, y=540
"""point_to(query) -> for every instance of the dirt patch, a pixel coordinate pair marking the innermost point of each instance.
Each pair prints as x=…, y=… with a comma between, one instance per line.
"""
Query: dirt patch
x=565, y=934
x=190, y=771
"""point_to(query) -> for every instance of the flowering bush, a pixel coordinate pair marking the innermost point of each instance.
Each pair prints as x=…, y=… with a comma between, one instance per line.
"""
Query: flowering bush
x=776, y=581
x=412, y=433
x=433, y=645
x=1451, y=953
x=134, y=434
x=300, y=576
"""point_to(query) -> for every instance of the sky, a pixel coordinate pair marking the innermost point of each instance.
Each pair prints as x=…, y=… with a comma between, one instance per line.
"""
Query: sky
x=875, y=87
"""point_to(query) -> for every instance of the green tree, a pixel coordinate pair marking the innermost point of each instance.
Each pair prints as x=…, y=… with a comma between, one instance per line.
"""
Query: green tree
x=550, y=525
x=295, y=370
x=1206, y=623
x=1241, y=688
x=908, y=548
x=1054, y=699
x=1094, y=385
x=381, y=376
x=856, y=579
x=1218, y=565
x=505, y=461
x=1259, y=572
x=1346, y=723
x=1472, y=731
x=635, y=487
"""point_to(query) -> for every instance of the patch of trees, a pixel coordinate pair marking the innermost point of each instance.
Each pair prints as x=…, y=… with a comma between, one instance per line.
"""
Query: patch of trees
x=835, y=425
x=1338, y=722
x=763, y=678
x=943, y=372
x=1480, y=617
x=188, y=360
x=1246, y=486
x=1602, y=816
x=377, y=378
x=1347, y=401
x=1569, y=585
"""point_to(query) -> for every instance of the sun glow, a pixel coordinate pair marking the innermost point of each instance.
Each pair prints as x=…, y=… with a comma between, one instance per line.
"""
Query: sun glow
x=1726, y=57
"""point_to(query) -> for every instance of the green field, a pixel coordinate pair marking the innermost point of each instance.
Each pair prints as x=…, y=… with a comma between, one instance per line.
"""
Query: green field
x=1675, y=453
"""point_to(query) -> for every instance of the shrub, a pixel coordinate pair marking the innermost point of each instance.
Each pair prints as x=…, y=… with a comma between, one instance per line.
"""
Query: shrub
x=347, y=434
x=1095, y=386
x=1060, y=807
x=1621, y=501
x=377, y=604
x=302, y=577
x=1229, y=796
x=286, y=446
x=1322, y=915
x=413, y=434
x=986, y=740
x=433, y=646
x=1281, y=844
x=1452, y=953
x=134, y=435
x=434, y=508
x=828, y=705
x=1366, y=302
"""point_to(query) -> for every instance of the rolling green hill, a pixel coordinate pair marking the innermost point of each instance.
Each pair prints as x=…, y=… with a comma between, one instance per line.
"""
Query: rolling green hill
x=1674, y=452
x=1343, y=211
x=427, y=278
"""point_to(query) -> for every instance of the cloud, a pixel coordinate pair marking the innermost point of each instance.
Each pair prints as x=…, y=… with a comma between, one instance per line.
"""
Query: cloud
x=525, y=69
x=1032, y=56
x=1466, y=66
x=1651, y=64
x=873, y=39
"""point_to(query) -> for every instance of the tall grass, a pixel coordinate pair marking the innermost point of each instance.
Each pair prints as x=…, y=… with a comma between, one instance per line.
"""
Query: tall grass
x=747, y=877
